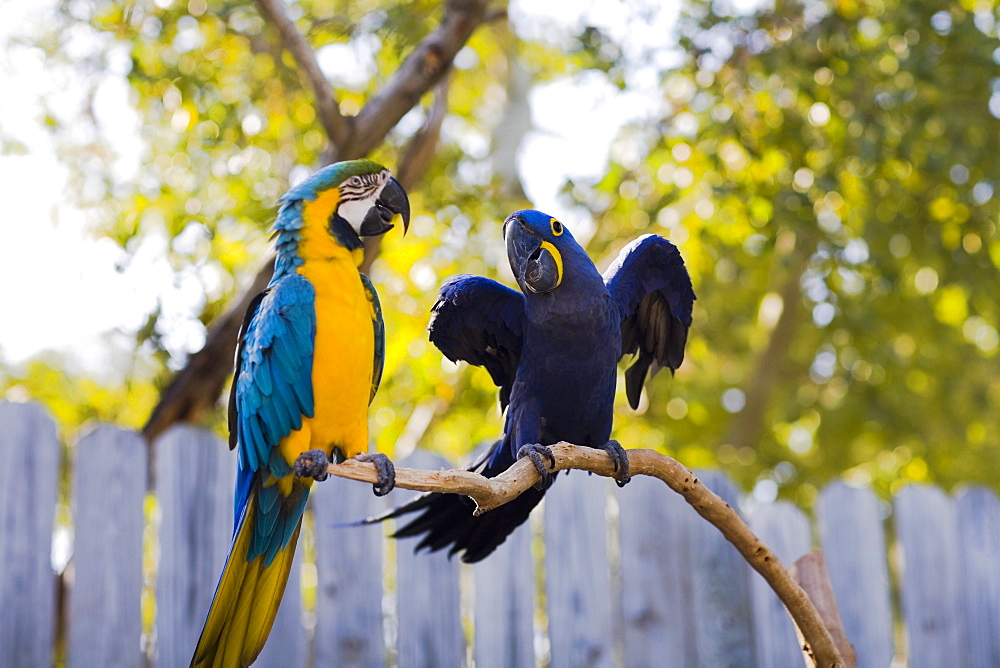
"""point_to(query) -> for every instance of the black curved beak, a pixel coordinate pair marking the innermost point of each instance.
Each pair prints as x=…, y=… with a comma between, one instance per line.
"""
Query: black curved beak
x=535, y=262
x=391, y=201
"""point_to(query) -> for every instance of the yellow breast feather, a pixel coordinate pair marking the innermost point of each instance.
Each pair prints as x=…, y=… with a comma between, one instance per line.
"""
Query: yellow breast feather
x=345, y=340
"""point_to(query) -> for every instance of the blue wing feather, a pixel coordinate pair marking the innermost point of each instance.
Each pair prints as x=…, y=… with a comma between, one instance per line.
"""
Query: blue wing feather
x=286, y=362
x=273, y=385
x=268, y=510
x=244, y=478
x=251, y=443
x=277, y=530
x=271, y=421
x=278, y=466
x=285, y=401
x=304, y=393
x=261, y=380
x=267, y=503
x=651, y=288
x=297, y=511
x=379, y=324
x=480, y=321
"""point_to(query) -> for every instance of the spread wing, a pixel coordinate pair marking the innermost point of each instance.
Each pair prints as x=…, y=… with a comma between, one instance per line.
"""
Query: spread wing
x=272, y=387
x=479, y=321
x=379, y=324
x=652, y=290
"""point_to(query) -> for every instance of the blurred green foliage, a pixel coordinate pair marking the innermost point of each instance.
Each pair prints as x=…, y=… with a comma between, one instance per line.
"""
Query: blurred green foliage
x=828, y=170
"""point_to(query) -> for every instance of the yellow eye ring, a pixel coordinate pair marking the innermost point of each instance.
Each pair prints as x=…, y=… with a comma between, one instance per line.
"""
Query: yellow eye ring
x=557, y=227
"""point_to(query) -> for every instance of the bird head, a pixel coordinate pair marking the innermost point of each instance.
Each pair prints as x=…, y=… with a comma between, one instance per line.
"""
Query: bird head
x=370, y=197
x=535, y=243
x=357, y=194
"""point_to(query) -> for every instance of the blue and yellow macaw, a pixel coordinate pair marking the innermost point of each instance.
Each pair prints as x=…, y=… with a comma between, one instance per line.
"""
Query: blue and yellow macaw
x=308, y=364
x=553, y=350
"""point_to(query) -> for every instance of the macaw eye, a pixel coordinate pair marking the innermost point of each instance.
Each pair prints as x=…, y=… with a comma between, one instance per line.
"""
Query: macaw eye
x=557, y=227
x=354, y=181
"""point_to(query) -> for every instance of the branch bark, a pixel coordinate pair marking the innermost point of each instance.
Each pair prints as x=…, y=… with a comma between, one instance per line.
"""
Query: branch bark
x=489, y=493
x=419, y=72
x=327, y=108
x=811, y=574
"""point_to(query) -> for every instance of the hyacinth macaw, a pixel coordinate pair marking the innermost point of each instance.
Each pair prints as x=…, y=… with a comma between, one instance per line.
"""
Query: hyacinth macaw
x=308, y=364
x=552, y=350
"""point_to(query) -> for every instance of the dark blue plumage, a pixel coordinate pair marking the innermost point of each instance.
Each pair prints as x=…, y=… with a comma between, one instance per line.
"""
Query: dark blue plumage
x=553, y=351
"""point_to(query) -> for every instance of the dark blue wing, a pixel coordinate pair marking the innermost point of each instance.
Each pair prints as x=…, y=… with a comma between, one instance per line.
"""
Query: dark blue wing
x=273, y=384
x=379, y=324
x=652, y=290
x=479, y=321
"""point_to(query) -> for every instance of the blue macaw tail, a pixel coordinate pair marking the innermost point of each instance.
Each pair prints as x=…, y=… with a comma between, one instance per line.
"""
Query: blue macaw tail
x=447, y=519
x=253, y=580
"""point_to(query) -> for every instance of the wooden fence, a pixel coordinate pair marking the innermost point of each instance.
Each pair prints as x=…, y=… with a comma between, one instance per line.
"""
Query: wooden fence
x=602, y=577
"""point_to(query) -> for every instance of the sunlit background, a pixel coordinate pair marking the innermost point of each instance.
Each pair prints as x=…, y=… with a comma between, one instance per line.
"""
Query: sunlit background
x=104, y=290
x=828, y=170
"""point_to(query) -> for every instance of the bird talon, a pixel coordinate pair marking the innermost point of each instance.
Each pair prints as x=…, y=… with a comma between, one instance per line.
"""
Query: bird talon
x=312, y=464
x=535, y=452
x=385, y=469
x=620, y=459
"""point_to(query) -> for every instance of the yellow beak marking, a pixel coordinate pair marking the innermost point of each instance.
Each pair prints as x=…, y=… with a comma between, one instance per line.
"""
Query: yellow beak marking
x=557, y=256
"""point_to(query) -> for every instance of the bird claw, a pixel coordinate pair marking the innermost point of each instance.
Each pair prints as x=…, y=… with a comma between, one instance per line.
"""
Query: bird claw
x=535, y=452
x=311, y=464
x=385, y=469
x=620, y=459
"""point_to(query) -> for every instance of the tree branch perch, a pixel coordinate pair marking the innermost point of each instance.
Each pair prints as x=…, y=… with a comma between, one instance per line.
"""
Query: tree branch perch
x=421, y=70
x=326, y=106
x=489, y=493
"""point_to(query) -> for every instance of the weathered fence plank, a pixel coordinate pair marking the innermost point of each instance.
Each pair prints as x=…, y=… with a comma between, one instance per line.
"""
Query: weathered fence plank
x=430, y=621
x=926, y=530
x=29, y=479
x=194, y=490
x=504, y=606
x=722, y=608
x=785, y=529
x=349, y=629
x=109, y=483
x=684, y=600
x=577, y=577
x=979, y=563
x=853, y=542
x=655, y=532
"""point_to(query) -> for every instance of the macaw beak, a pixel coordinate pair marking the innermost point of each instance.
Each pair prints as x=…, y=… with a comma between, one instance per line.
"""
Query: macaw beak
x=391, y=200
x=536, y=263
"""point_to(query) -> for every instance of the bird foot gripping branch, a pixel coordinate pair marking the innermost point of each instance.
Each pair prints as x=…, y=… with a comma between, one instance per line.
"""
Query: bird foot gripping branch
x=535, y=452
x=620, y=458
x=315, y=464
x=385, y=470
x=312, y=464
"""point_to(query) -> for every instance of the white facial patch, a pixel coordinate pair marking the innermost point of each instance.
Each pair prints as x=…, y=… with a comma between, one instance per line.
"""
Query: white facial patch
x=358, y=195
